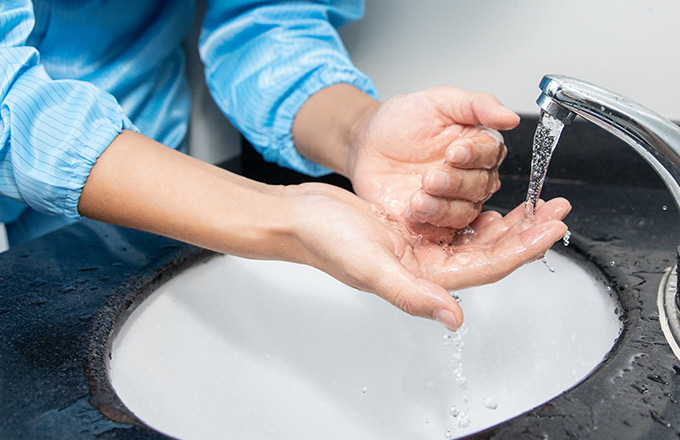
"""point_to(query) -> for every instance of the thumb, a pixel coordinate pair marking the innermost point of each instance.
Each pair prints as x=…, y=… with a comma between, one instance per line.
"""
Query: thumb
x=473, y=108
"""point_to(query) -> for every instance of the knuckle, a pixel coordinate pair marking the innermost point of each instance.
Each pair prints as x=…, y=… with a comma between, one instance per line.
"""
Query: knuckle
x=475, y=210
x=456, y=182
x=502, y=154
x=405, y=303
x=462, y=214
x=479, y=188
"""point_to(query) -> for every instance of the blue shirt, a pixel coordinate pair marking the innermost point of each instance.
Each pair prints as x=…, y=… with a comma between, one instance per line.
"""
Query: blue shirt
x=75, y=73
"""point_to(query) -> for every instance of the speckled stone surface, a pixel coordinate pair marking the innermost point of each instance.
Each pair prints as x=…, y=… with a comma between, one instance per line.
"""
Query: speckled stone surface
x=63, y=296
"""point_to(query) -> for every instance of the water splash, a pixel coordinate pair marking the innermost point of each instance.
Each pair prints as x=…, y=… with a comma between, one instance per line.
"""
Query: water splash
x=566, y=238
x=489, y=403
x=545, y=262
x=546, y=137
x=456, y=340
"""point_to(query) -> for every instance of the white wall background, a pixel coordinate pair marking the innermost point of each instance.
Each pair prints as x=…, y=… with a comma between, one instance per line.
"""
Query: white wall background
x=501, y=47
x=505, y=47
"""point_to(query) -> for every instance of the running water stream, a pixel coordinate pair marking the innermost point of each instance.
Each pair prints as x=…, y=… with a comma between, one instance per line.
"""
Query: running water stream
x=546, y=137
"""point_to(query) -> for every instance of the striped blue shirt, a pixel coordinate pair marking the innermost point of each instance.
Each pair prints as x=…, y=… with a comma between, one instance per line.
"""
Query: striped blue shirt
x=74, y=73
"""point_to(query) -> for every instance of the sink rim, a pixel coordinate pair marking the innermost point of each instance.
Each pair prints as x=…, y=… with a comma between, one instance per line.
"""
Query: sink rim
x=126, y=299
x=39, y=306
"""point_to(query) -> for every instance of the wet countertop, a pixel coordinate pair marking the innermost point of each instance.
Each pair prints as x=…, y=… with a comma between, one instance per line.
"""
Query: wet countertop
x=62, y=296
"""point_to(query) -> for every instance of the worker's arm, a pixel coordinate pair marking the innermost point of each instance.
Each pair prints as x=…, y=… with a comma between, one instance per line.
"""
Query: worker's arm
x=144, y=185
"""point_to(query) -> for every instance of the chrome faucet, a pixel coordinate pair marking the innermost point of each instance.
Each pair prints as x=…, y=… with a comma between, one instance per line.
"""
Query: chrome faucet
x=654, y=137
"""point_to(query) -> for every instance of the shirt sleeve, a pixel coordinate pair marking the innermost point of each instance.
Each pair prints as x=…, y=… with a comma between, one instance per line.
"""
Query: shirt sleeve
x=264, y=60
x=51, y=132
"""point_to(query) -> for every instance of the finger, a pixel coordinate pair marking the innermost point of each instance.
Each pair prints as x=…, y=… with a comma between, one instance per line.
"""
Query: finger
x=471, y=185
x=556, y=209
x=473, y=108
x=443, y=212
x=485, y=219
x=481, y=266
x=485, y=150
x=415, y=296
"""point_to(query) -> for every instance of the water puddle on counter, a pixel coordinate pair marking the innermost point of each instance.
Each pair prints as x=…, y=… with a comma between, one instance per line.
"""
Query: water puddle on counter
x=546, y=137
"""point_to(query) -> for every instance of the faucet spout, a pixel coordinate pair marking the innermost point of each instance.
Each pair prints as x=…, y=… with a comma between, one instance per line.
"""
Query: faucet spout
x=654, y=137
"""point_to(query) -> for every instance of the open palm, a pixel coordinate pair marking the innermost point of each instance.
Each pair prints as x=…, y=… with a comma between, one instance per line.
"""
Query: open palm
x=362, y=246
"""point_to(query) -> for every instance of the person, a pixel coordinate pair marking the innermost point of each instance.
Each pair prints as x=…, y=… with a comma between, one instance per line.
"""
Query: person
x=94, y=92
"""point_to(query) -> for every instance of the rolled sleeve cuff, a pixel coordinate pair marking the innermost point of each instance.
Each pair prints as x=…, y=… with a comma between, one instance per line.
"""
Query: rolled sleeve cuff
x=88, y=154
x=283, y=151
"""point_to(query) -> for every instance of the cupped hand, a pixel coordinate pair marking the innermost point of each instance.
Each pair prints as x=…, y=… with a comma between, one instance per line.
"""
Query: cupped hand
x=362, y=246
x=432, y=157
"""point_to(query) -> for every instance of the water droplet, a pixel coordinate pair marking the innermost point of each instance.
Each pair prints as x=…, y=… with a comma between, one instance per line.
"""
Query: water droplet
x=454, y=412
x=550, y=268
x=612, y=263
x=448, y=435
x=566, y=238
x=364, y=389
x=664, y=207
x=427, y=420
x=464, y=422
x=489, y=403
x=447, y=336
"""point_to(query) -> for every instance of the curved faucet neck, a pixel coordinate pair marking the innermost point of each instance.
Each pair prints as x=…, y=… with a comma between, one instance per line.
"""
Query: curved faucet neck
x=654, y=137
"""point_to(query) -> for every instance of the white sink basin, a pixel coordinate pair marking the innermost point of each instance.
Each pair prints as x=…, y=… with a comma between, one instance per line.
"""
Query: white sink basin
x=242, y=349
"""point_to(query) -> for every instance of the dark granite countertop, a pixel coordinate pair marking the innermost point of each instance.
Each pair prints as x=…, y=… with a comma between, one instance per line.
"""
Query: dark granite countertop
x=62, y=297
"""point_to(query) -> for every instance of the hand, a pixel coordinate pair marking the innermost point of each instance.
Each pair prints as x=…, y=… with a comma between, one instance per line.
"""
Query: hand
x=169, y=193
x=359, y=245
x=426, y=157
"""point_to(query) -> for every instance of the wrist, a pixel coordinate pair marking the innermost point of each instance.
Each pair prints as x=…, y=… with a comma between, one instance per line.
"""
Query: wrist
x=327, y=126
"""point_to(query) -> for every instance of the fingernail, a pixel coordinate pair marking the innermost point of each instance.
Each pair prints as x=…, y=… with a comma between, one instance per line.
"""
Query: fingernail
x=459, y=155
x=495, y=134
x=447, y=319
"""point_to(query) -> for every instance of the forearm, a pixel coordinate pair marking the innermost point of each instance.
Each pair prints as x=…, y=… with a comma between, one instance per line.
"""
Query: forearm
x=142, y=184
x=288, y=51
x=326, y=126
